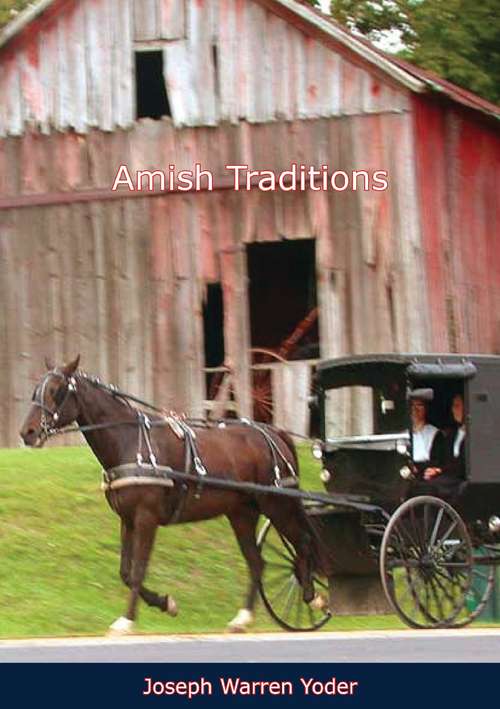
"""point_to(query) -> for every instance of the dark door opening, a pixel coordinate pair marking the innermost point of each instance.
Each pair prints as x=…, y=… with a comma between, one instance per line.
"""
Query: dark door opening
x=213, y=325
x=213, y=337
x=282, y=296
x=151, y=93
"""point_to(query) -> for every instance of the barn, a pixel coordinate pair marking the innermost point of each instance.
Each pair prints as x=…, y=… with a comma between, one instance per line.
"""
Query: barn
x=179, y=294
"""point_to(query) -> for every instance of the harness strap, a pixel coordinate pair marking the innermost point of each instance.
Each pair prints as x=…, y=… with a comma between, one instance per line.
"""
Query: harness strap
x=275, y=453
x=146, y=474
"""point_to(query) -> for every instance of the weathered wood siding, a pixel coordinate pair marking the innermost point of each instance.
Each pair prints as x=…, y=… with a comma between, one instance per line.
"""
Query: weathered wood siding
x=458, y=165
x=225, y=60
x=122, y=280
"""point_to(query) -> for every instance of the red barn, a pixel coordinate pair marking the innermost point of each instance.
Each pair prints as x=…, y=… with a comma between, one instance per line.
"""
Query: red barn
x=158, y=289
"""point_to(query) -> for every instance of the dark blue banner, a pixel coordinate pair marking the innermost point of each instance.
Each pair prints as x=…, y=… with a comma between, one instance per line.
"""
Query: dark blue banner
x=401, y=686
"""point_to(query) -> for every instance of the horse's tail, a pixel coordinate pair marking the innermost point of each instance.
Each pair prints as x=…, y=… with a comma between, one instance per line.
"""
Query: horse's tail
x=289, y=442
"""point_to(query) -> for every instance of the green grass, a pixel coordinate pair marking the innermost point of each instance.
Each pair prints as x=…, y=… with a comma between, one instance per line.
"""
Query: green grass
x=59, y=556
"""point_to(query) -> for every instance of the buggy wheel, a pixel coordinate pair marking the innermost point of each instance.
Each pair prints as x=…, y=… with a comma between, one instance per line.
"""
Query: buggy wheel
x=280, y=589
x=426, y=563
x=483, y=583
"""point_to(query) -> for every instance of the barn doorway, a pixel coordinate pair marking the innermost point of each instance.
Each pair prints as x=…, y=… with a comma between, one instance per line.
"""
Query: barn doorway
x=283, y=326
x=282, y=295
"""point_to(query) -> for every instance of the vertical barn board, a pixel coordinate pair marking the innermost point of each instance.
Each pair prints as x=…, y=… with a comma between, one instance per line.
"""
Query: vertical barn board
x=181, y=87
x=291, y=387
x=431, y=165
x=54, y=284
x=352, y=97
x=299, y=62
x=5, y=225
x=13, y=102
x=3, y=111
x=9, y=379
x=84, y=287
x=208, y=260
x=97, y=237
x=262, y=98
x=407, y=226
x=76, y=69
x=195, y=384
x=146, y=20
x=113, y=220
x=23, y=272
x=122, y=67
x=202, y=63
x=138, y=240
x=172, y=18
x=49, y=74
x=280, y=52
x=30, y=82
x=132, y=292
x=313, y=75
x=182, y=320
x=63, y=245
x=331, y=92
x=227, y=61
x=162, y=298
x=65, y=78
x=98, y=38
x=235, y=295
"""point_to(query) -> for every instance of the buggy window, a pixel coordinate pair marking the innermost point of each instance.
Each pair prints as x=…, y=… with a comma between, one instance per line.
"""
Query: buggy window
x=365, y=411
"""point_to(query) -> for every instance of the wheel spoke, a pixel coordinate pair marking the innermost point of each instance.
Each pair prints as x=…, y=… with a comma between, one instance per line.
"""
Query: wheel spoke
x=446, y=534
x=279, y=552
x=435, y=529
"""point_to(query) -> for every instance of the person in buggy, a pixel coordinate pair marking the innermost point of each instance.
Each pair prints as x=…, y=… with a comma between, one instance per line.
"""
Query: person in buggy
x=427, y=443
x=445, y=471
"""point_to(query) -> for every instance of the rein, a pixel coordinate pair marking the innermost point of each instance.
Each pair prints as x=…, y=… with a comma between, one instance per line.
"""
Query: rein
x=180, y=427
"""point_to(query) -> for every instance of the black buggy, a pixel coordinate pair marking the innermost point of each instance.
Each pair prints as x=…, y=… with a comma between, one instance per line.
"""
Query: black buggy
x=430, y=557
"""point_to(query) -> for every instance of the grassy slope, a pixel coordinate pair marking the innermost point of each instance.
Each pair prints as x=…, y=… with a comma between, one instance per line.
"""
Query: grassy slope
x=59, y=555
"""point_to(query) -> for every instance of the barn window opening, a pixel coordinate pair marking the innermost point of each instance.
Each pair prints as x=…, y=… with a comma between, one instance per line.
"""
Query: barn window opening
x=282, y=295
x=213, y=336
x=213, y=325
x=215, y=60
x=151, y=93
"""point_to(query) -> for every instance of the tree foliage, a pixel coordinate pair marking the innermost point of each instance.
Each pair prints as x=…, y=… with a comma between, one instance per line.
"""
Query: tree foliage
x=458, y=39
x=8, y=9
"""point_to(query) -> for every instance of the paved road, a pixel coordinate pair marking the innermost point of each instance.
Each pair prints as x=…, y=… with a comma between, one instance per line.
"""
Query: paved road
x=376, y=646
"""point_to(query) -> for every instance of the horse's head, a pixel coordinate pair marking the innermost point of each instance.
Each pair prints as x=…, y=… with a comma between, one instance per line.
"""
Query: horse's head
x=54, y=404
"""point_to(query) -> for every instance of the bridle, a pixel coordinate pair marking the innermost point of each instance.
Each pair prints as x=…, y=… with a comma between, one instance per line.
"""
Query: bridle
x=50, y=417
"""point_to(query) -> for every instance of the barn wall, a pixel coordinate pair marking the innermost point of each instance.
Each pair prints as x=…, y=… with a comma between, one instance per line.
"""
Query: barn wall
x=224, y=60
x=458, y=163
x=121, y=281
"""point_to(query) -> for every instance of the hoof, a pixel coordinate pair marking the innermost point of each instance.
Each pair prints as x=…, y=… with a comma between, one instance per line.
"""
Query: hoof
x=241, y=621
x=319, y=602
x=308, y=595
x=171, y=606
x=121, y=626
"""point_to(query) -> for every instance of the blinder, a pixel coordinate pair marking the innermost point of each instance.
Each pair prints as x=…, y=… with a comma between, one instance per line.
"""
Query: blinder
x=49, y=417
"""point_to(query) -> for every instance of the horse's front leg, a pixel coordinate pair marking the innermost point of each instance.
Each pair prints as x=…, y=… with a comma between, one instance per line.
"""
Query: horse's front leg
x=137, y=543
x=166, y=603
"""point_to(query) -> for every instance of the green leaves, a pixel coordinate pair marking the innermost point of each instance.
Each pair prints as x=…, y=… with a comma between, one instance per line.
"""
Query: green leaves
x=8, y=9
x=458, y=39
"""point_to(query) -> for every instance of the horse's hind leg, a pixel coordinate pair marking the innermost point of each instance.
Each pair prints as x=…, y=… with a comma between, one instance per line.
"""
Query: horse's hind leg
x=166, y=603
x=244, y=524
x=289, y=520
x=136, y=550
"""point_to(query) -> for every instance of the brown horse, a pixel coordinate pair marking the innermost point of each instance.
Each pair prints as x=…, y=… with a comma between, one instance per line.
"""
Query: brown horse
x=239, y=452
